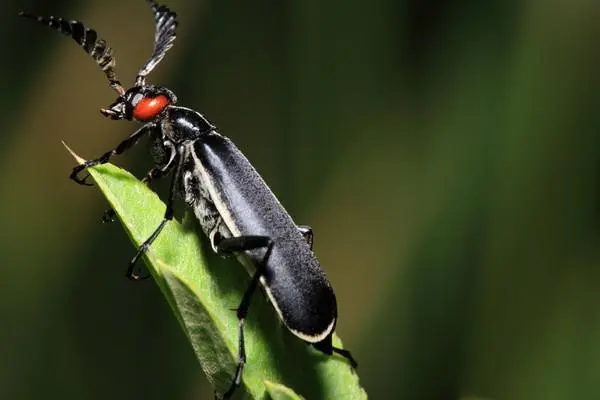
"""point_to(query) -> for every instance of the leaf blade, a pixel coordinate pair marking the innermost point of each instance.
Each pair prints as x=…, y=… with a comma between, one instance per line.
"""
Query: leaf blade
x=277, y=391
x=202, y=296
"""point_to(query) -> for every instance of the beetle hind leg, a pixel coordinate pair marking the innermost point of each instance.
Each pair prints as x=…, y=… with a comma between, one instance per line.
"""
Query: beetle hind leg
x=235, y=245
x=347, y=355
x=326, y=346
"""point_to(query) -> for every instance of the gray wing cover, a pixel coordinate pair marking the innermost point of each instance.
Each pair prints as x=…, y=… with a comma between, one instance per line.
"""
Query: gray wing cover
x=293, y=274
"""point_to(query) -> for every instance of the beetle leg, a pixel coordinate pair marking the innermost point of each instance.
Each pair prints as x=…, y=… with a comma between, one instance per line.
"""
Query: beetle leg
x=167, y=217
x=238, y=244
x=347, y=355
x=326, y=346
x=307, y=232
x=235, y=245
x=103, y=159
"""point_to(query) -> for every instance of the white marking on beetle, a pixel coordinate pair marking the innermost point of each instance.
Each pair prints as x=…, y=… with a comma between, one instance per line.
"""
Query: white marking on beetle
x=306, y=337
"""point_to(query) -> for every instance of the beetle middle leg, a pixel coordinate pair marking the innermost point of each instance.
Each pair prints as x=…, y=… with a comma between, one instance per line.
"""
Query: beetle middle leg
x=166, y=218
x=236, y=245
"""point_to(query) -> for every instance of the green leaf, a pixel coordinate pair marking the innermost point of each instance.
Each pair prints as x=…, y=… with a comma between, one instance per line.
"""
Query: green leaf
x=278, y=391
x=202, y=297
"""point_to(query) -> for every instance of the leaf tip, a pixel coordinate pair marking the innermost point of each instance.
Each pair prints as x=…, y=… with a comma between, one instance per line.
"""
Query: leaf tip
x=75, y=155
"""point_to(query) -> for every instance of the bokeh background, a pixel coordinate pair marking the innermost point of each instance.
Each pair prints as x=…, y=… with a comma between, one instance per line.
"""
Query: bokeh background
x=446, y=153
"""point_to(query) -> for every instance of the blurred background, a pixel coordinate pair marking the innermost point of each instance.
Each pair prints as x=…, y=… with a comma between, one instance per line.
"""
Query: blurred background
x=446, y=153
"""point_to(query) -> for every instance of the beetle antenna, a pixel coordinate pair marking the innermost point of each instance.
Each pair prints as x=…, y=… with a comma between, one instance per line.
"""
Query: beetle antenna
x=89, y=41
x=164, y=36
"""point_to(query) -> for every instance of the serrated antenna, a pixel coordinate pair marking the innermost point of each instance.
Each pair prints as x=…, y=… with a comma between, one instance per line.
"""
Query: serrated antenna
x=88, y=40
x=164, y=36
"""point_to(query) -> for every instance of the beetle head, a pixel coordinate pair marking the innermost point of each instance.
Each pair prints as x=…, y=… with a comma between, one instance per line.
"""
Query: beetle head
x=142, y=103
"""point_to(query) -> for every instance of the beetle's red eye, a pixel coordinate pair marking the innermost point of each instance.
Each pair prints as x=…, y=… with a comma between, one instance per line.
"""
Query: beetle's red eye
x=149, y=107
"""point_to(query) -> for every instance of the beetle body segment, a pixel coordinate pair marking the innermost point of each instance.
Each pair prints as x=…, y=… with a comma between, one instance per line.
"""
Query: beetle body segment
x=293, y=278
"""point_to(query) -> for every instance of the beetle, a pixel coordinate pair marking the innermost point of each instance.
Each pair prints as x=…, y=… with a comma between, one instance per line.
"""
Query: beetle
x=234, y=206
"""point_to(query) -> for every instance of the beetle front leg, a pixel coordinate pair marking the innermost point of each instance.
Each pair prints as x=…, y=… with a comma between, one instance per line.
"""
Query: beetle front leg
x=104, y=158
x=236, y=245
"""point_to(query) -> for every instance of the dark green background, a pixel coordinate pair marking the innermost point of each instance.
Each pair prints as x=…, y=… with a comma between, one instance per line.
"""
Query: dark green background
x=446, y=153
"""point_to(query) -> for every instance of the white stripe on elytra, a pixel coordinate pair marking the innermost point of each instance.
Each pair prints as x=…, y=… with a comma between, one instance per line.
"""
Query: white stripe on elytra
x=307, y=338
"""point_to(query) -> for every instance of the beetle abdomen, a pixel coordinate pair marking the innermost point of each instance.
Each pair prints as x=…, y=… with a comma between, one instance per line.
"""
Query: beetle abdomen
x=301, y=294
